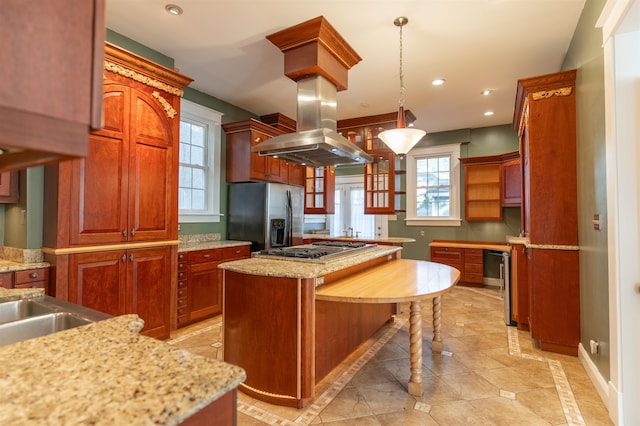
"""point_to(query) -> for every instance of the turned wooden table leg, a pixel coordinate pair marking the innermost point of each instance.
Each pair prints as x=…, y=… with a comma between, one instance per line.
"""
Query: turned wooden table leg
x=415, y=350
x=436, y=344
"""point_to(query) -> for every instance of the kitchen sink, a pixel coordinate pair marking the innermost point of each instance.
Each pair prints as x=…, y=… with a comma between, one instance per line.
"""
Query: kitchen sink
x=38, y=326
x=20, y=309
x=39, y=316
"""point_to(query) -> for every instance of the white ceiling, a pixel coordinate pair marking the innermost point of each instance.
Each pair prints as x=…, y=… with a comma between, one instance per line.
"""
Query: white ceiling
x=473, y=44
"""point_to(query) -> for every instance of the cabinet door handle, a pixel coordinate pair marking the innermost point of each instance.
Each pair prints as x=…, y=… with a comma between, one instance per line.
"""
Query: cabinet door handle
x=124, y=258
x=133, y=232
x=34, y=275
x=124, y=233
x=131, y=258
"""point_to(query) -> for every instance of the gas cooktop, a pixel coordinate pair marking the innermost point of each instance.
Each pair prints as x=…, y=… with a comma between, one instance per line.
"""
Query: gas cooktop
x=318, y=251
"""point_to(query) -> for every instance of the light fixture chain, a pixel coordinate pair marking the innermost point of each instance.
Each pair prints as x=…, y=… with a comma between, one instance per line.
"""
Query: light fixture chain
x=401, y=101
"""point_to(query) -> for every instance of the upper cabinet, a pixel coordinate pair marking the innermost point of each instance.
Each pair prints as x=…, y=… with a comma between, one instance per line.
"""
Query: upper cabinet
x=246, y=166
x=9, y=190
x=52, y=85
x=319, y=190
x=490, y=182
x=382, y=184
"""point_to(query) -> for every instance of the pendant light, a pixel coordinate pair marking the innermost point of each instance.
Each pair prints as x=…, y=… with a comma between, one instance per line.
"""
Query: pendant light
x=401, y=139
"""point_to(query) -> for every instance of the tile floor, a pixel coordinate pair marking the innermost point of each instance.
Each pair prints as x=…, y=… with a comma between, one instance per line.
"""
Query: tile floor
x=488, y=374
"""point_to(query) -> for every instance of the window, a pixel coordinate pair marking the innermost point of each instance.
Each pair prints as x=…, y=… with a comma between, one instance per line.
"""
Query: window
x=433, y=186
x=199, y=170
x=349, y=210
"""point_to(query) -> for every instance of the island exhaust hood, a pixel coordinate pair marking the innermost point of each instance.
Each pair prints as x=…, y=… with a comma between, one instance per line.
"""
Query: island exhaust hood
x=316, y=143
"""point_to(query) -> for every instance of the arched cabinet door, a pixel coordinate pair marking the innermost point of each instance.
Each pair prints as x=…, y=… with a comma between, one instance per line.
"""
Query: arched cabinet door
x=120, y=192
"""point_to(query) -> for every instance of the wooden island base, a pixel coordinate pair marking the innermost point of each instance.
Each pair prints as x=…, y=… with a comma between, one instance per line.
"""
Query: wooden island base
x=288, y=325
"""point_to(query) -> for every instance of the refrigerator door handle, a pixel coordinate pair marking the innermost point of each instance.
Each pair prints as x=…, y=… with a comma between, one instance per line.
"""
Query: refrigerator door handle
x=289, y=224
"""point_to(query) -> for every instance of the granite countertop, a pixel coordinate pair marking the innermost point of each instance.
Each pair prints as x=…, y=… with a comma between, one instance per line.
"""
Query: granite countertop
x=471, y=244
x=106, y=373
x=205, y=245
x=525, y=241
x=9, y=266
x=302, y=268
x=389, y=240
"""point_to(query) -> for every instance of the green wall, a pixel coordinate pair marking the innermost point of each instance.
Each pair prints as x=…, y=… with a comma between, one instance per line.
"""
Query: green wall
x=587, y=56
x=475, y=142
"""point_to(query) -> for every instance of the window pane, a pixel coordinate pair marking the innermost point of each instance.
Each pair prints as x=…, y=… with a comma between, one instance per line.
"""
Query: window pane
x=197, y=135
x=198, y=179
x=184, y=197
x=197, y=156
x=198, y=199
x=184, y=180
x=185, y=132
x=433, y=186
x=185, y=153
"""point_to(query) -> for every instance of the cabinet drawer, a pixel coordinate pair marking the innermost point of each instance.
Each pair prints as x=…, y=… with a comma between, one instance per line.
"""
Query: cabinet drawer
x=31, y=275
x=472, y=268
x=236, y=252
x=182, y=275
x=182, y=292
x=199, y=256
x=6, y=280
x=182, y=284
x=444, y=254
x=182, y=302
x=473, y=256
x=33, y=284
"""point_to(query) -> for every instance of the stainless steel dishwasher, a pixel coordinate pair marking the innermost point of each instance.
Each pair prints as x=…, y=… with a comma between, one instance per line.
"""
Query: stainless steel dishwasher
x=505, y=283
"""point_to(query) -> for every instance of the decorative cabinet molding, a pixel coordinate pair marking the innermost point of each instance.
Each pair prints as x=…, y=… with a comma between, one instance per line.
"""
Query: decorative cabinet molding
x=110, y=222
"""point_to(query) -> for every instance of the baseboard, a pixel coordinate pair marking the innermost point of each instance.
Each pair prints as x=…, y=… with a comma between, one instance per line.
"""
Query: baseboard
x=493, y=282
x=596, y=378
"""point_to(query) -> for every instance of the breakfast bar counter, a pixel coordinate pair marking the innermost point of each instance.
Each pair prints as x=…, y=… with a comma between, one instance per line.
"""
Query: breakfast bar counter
x=402, y=280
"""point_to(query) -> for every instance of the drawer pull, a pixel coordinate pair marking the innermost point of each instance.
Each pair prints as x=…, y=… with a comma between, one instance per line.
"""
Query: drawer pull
x=180, y=293
x=207, y=255
x=34, y=275
x=180, y=302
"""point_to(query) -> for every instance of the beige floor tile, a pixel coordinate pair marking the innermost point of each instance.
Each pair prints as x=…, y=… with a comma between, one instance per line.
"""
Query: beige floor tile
x=480, y=381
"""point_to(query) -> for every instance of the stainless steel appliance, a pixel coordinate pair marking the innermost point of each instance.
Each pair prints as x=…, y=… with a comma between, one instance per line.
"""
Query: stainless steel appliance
x=267, y=214
x=320, y=251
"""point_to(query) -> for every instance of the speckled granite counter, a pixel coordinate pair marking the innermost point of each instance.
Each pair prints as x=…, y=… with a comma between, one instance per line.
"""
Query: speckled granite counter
x=106, y=373
x=388, y=240
x=205, y=245
x=303, y=268
x=9, y=266
x=528, y=244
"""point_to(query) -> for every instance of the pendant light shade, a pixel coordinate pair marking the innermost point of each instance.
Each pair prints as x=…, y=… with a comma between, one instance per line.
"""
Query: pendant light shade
x=401, y=139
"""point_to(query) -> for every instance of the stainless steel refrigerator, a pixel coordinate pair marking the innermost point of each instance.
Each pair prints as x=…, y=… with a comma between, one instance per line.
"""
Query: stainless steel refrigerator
x=265, y=213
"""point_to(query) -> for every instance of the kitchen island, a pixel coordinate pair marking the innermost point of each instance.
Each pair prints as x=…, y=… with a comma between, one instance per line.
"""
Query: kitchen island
x=298, y=326
x=106, y=373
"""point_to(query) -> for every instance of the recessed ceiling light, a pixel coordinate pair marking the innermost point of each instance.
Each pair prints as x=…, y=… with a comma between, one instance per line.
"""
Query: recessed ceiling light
x=438, y=82
x=173, y=9
x=486, y=92
x=488, y=113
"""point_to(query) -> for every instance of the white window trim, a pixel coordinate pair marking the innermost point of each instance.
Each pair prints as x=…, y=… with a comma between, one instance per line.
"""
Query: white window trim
x=412, y=156
x=213, y=120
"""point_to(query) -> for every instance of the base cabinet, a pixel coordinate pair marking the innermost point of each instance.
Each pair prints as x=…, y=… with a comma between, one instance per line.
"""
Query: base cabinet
x=200, y=282
x=121, y=282
x=466, y=260
x=520, y=286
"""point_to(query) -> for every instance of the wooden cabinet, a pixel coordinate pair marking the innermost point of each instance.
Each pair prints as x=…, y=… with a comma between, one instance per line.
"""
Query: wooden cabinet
x=199, y=289
x=452, y=256
x=482, y=192
x=511, y=183
x=27, y=278
x=51, y=87
x=467, y=260
x=119, y=282
x=319, y=190
x=490, y=182
x=382, y=186
x=246, y=166
x=473, y=266
x=110, y=225
x=520, y=286
x=9, y=190
x=545, y=118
